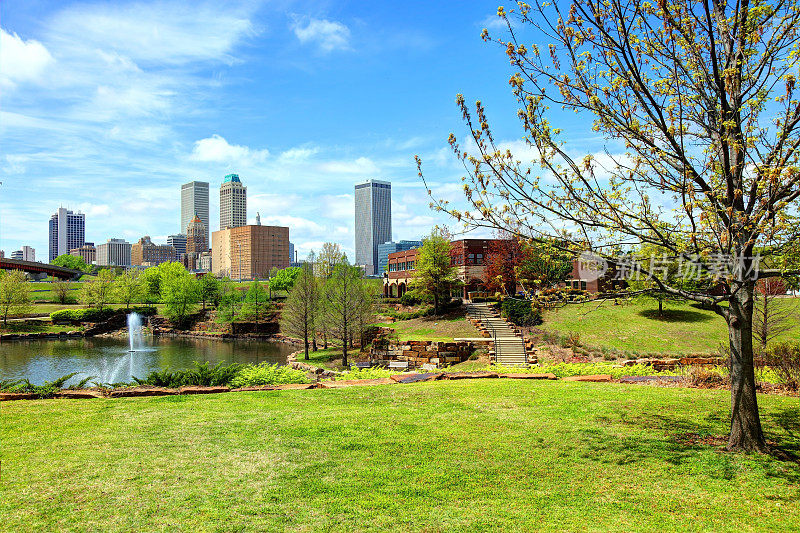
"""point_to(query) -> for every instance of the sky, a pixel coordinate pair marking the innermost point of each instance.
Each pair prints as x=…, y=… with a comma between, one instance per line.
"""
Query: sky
x=108, y=107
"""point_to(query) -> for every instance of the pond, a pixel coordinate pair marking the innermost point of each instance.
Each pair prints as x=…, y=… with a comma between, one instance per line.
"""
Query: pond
x=110, y=361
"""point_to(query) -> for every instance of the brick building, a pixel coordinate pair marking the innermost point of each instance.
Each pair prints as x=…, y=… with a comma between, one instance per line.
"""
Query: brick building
x=249, y=252
x=147, y=253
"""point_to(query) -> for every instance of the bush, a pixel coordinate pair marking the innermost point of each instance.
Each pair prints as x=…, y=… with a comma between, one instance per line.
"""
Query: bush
x=482, y=299
x=266, y=374
x=415, y=297
x=82, y=315
x=375, y=372
x=419, y=313
x=784, y=359
x=202, y=374
x=144, y=310
x=521, y=312
x=47, y=390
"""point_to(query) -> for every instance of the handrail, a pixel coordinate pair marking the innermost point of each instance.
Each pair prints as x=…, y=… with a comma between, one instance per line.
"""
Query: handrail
x=497, y=347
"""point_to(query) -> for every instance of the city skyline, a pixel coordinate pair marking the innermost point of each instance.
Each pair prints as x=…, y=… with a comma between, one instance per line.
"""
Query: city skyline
x=192, y=105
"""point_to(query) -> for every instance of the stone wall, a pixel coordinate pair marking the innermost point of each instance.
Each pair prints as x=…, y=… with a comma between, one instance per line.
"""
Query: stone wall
x=417, y=353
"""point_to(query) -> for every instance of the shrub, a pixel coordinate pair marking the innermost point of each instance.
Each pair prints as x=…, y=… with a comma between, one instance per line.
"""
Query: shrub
x=408, y=315
x=415, y=297
x=784, y=359
x=144, y=310
x=375, y=372
x=83, y=315
x=266, y=374
x=521, y=312
x=202, y=374
x=47, y=390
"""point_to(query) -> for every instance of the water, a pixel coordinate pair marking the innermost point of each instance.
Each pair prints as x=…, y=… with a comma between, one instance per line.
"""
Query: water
x=111, y=361
x=135, y=332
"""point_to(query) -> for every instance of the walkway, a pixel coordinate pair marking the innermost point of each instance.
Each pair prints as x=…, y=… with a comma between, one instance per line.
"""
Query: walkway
x=509, y=347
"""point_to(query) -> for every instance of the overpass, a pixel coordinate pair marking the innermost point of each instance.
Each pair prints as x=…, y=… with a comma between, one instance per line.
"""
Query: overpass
x=39, y=270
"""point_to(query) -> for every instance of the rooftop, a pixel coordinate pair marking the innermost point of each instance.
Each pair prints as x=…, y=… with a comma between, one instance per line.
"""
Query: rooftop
x=232, y=178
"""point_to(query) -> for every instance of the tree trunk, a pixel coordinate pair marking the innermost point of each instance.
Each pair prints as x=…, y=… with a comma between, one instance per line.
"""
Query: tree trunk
x=305, y=342
x=746, y=434
x=660, y=308
x=435, y=303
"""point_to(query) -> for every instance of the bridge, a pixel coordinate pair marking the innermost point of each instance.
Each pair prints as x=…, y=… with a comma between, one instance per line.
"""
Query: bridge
x=39, y=270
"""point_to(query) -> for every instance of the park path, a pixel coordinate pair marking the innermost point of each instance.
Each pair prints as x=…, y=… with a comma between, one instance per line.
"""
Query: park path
x=509, y=347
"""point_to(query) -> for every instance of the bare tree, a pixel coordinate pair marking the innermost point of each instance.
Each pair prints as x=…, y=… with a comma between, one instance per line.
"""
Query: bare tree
x=61, y=290
x=698, y=104
x=344, y=301
x=772, y=316
x=299, y=314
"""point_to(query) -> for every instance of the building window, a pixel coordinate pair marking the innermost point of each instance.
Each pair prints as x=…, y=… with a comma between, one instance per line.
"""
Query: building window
x=583, y=285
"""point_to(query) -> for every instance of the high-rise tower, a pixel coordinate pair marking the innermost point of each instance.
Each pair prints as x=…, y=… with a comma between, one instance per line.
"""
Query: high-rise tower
x=232, y=203
x=194, y=201
x=196, y=237
x=67, y=231
x=373, y=205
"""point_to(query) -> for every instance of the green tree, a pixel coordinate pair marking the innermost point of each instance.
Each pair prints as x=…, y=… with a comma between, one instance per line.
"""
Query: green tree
x=128, y=287
x=299, y=313
x=434, y=274
x=61, y=290
x=209, y=287
x=98, y=291
x=543, y=264
x=284, y=280
x=15, y=293
x=698, y=103
x=179, y=293
x=229, y=300
x=256, y=302
x=71, y=261
x=328, y=259
x=152, y=278
x=343, y=304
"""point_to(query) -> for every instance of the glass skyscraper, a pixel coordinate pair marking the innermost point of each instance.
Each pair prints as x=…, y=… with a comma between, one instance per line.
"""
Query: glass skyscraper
x=194, y=200
x=373, y=206
x=387, y=248
x=67, y=231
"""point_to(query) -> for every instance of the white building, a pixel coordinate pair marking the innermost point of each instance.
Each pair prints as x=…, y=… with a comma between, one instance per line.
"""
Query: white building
x=194, y=200
x=28, y=253
x=67, y=231
x=232, y=203
x=373, y=206
x=115, y=252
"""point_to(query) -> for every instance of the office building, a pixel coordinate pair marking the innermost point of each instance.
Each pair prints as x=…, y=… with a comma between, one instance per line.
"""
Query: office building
x=178, y=241
x=67, y=231
x=196, y=237
x=147, y=253
x=17, y=255
x=26, y=253
x=387, y=248
x=232, y=203
x=373, y=210
x=114, y=252
x=249, y=252
x=87, y=252
x=194, y=201
x=204, y=262
x=292, y=258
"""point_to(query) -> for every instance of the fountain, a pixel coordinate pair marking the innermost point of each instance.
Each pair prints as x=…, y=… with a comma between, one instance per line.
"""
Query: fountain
x=134, y=332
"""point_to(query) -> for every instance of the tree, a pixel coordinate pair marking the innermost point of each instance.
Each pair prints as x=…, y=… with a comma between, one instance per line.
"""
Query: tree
x=697, y=104
x=771, y=316
x=15, y=293
x=330, y=256
x=128, y=287
x=256, y=301
x=283, y=280
x=208, y=289
x=298, y=317
x=71, y=261
x=97, y=292
x=180, y=293
x=153, y=277
x=543, y=264
x=229, y=300
x=61, y=290
x=343, y=294
x=434, y=274
x=501, y=261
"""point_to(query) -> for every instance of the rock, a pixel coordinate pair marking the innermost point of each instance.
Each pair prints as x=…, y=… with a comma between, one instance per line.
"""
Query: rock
x=522, y=375
x=197, y=389
x=254, y=388
x=416, y=378
x=132, y=392
x=355, y=383
x=595, y=378
x=80, y=394
x=470, y=375
x=294, y=386
x=9, y=396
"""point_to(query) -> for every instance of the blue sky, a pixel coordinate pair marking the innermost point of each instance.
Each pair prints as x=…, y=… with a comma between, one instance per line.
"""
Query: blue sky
x=108, y=107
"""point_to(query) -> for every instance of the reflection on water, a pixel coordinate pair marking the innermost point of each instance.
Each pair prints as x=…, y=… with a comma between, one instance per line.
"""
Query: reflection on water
x=110, y=361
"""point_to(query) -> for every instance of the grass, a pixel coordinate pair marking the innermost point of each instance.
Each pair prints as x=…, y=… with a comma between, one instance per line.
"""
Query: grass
x=459, y=455
x=431, y=328
x=36, y=326
x=47, y=308
x=635, y=326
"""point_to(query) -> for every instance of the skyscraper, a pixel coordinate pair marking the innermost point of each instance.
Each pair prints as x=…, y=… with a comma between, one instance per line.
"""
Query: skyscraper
x=114, y=252
x=178, y=242
x=194, y=200
x=196, y=242
x=67, y=231
x=373, y=221
x=386, y=248
x=232, y=203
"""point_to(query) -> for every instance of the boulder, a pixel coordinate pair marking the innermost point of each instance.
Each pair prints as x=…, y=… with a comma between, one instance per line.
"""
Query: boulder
x=594, y=378
x=141, y=390
x=197, y=389
x=355, y=383
x=80, y=394
x=294, y=386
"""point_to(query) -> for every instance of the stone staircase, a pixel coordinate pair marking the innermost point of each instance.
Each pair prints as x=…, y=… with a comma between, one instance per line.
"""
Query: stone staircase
x=509, y=347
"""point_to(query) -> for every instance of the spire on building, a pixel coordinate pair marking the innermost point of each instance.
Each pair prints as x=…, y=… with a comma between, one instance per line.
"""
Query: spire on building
x=258, y=218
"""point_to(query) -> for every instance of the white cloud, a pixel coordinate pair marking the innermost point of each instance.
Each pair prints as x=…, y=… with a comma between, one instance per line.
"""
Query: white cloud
x=360, y=166
x=326, y=34
x=95, y=210
x=300, y=153
x=217, y=150
x=21, y=61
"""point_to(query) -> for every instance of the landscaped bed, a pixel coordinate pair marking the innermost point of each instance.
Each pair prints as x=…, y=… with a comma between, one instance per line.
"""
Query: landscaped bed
x=473, y=454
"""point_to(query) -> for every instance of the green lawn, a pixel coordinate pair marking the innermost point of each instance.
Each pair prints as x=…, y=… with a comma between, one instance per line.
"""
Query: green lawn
x=443, y=328
x=459, y=455
x=35, y=326
x=635, y=326
x=47, y=308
